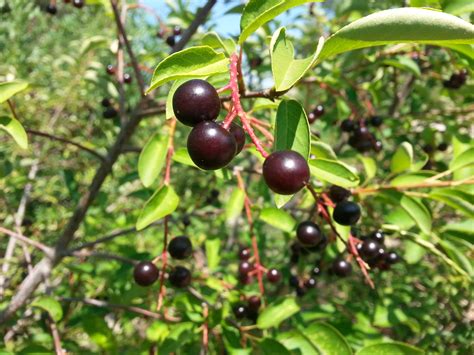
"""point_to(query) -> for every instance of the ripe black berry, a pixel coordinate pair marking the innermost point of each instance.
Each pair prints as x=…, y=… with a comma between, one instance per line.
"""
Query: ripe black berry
x=346, y=213
x=316, y=271
x=210, y=146
x=428, y=148
x=293, y=281
x=310, y=283
x=362, y=140
x=239, y=136
x=51, y=9
x=341, y=267
x=318, y=111
x=171, y=41
x=180, y=277
x=301, y=291
x=369, y=249
x=111, y=70
x=245, y=279
x=240, y=311
x=196, y=101
x=286, y=172
x=309, y=233
x=378, y=236
x=177, y=30
x=244, y=253
x=273, y=276
x=347, y=125
x=376, y=121
x=110, y=112
x=105, y=102
x=392, y=258
x=378, y=146
x=442, y=147
x=127, y=78
x=180, y=247
x=338, y=194
x=254, y=303
x=245, y=267
x=145, y=273
x=78, y=3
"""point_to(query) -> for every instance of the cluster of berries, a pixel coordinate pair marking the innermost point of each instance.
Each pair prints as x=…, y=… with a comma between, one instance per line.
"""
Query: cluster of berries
x=171, y=39
x=52, y=9
x=247, y=269
x=112, y=70
x=456, y=80
x=361, y=138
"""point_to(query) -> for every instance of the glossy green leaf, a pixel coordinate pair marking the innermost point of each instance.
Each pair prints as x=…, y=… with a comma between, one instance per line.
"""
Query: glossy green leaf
x=418, y=212
x=402, y=159
x=459, y=7
x=399, y=217
x=394, y=348
x=404, y=25
x=49, y=305
x=464, y=159
x=334, y=172
x=258, y=12
x=213, y=252
x=285, y=68
x=10, y=88
x=191, y=62
x=276, y=313
x=322, y=150
x=459, y=200
x=163, y=202
x=235, y=204
x=292, y=128
x=212, y=39
x=295, y=341
x=271, y=347
x=278, y=219
x=181, y=156
x=326, y=339
x=152, y=158
x=370, y=166
x=14, y=129
x=404, y=63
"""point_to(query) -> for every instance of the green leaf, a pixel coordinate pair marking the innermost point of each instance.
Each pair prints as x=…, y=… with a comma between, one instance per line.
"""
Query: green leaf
x=285, y=68
x=394, y=348
x=157, y=332
x=404, y=25
x=212, y=39
x=418, y=212
x=49, y=305
x=191, y=62
x=235, y=204
x=10, y=88
x=258, y=12
x=322, y=150
x=14, y=129
x=262, y=103
x=464, y=159
x=457, y=199
x=402, y=159
x=326, y=339
x=457, y=255
x=459, y=7
x=399, y=217
x=278, y=219
x=292, y=128
x=404, y=63
x=281, y=200
x=163, y=202
x=271, y=347
x=411, y=178
x=213, y=253
x=370, y=166
x=181, y=156
x=152, y=158
x=334, y=172
x=274, y=314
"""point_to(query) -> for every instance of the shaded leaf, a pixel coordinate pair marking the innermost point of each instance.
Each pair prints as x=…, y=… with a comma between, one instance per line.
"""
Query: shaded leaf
x=10, y=88
x=271, y=347
x=402, y=159
x=212, y=39
x=152, y=158
x=326, y=339
x=418, y=212
x=276, y=313
x=163, y=202
x=49, y=305
x=395, y=348
x=334, y=172
x=322, y=150
x=14, y=129
x=464, y=159
x=278, y=219
x=235, y=204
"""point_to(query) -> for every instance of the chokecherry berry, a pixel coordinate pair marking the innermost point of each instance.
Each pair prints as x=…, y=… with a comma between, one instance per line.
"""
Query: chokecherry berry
x=376, y=121
x=245, y=279
x=240, y=311
x=392, y=258
x=186, y=220
x=78, y=3
x=378, y=146
x=105, y=102
x=254, y=303
x=244, y=254
x=347, y=125
x=293, y=281
x=286, y=172
x=127, y=78
x=317, y=112
x=442, y=147
x=177, y=30
x=378, y=236
x=309, y=233
x=245, y=267
x=180, y=247
x=239, y=136
x=362, y=140
x=310, y=283
x=111, y=70
x=51, y=9
x=346, y=213
x=196, y=101
x=180, y=277
x=316, y=271
x=369, y=249
x=273, y=276
x=341, y=267
x=210, y=146
x=171, y=41
x=145, y=273
x=109, y=112
x=338, y=194
x=300, y=291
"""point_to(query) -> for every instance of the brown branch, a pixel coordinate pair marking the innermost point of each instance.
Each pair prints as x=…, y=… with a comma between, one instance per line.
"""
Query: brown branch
x=47, y=250
x=66, y=141
x=56, y=337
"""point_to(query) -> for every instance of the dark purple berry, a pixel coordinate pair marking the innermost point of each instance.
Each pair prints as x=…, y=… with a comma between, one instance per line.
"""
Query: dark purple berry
x=51, y=9
x=442, y=147
x=210, y=146
x=254, y=303
x=244, y=254
x=110, y=112
x=301, y=291
x=369, y=249
x=341, y=267
x=180, y=277
x=346, y=213
x=111, y=70
x=273, y=276
x=293, y=281
x=245, y=267
x=145, y=273
x=177, y=30
x=180, y=247
x=239, y=136
x=105, y=102
x=127, y=78
x=378, y=146
x=309, y=233
x=338, y=194
x=316, y=271
x=310, y=283
x=376, y=121
x=285, y=172
x=196, y=101
x=428, y=149
x=392, y=258
x=240, y=311
x=347, y=125
x=245, y=279
x=362, y=139
x=78, y=3
x=186, y=220
x=171, y=41
x=378, y=236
